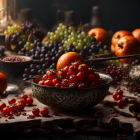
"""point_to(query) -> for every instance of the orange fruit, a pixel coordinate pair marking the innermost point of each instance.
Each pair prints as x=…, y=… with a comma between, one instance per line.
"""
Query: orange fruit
x=3, y=83
x=68, y=58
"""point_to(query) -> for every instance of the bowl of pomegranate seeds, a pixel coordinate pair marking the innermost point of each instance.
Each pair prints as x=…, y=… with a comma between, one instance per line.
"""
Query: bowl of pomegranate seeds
x=71, y=88
x=13, y=66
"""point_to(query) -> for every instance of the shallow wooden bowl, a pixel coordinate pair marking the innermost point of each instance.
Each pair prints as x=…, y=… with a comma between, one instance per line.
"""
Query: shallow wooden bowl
x=64, y=98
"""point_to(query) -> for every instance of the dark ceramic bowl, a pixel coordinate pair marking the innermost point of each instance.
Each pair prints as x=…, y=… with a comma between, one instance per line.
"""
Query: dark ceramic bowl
x=14, y=70
x=64, y=98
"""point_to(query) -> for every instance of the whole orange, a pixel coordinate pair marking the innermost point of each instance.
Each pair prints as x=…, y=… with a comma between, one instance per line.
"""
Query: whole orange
x=68, y=58
x=127, y=45
x=3, y=83
x=100, y=35
x=117, y=35
x=136, y=33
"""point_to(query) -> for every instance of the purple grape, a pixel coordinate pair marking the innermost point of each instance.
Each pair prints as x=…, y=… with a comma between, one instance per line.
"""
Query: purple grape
x=21, y=43
x=39, y=44
x=13, y=40
x=94, y=48
x=48, y=59
x=37, y=52
x=46, y=47
x=69, y=50
x=105, y=47
x=32, y=51
x=43, y=51
x=51, y=46
x=33, y=71
x=71, y=46
x=79, y=32
x=55, y=45
x=42, y=60
x=37, y=56
x=90, y=51
x=53, y=66
x=15, y=36
x=18, y=34
x=23, y=28
x=60, y=44
x=45, y=65
x=43, y=72
x=32, y=66
x=16, y=48
x=137, y=61
x=23, y=50
x=35, y=32
x=2, y=50
x=54, y=59
x=47, y=55
x=38, y=67
x=27, y=54
x=30, y=26
x=27, y=70
x=86, y=48
x=100, y=45
x=93, y=39
x=30, y=76
x=74, y=50
x=25, y=75
x=39, y=71
x=42, y=55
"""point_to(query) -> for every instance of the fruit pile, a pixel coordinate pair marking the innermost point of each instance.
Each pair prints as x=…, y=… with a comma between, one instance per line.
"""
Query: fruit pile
x=117, y=73
x=122, y=101
x=73, y=76
x=2, y=50
x=15, y=107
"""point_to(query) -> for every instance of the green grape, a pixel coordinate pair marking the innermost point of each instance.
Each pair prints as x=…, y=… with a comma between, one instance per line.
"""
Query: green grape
x=32, y=45
x=61, y=48
x=51, y=38
x=85, y=40
x=27, y=48
x=24, y=46
x=15, y=31
x=65, y=36
x=63, y=27
x=117, y=61
x=51, y=41
x=59, y=29
x=64, y=45
x=73, y=39
x=69, y=31
x=46, y=43
x=52, y=34
x=19, y=53
x=56, y=32
x=83, y=33
x=106, y=51
x=88, y=43
x=101, y=51
x=9, y=27
x=74, y=43
x=24, y=36
x=24, y=40
x=72, y=33
x=60, y=24
x=27, y=44
x=55, y=37
x=5, y=32
x=48, y=33
x=61, y=33
x=79, y=36
x=66, y=42
x=80, y=41
x=111, y=61
x=76, y=47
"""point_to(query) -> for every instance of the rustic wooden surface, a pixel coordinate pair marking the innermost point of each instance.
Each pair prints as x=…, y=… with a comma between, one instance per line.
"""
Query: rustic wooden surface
x=72, y=122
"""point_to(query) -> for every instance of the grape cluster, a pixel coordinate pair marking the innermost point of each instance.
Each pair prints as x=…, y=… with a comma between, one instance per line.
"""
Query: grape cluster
x=78, y=41
x=48, y=56
x=2, y=50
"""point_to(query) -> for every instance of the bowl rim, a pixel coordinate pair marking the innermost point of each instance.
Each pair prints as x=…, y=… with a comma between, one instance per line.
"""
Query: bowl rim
x=31, y=81
x=30, y=59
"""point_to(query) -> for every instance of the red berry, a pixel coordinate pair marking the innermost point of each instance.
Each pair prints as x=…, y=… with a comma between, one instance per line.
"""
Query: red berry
x=120, y=92
x=29, y=100
x=94, y=84
x=44, y=111
x=11, y=101
x=126, y=100
x=118, y=97
x=120, y=103
x=2, y=105
x=114, y=96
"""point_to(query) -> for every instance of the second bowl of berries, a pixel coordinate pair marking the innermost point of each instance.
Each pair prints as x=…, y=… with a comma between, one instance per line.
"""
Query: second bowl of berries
x=71, y=90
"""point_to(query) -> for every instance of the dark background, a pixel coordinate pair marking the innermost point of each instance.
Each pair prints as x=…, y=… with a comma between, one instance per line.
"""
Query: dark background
x=116, y=14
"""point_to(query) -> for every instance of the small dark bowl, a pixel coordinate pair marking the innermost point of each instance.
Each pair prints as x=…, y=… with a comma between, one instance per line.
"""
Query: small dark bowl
x=64, y=98
x=14, y=70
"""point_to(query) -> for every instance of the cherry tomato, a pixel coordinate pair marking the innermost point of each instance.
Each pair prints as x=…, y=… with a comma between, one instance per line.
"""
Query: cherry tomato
x=11, y=101
x=21, y=106
x=82, y=85
x=73, y=79
x=57, y=85
x=118, y=97
x=96, y=75
x=83, y=68
x=56, y=80
x=64, y=83
x=41, y=82
x=24, y=96
x=94, y=84
x=51, y=74
x=44, y=111
x=72, y=85
x=48, y=83
x=72, y=70
x=81, y=76
x=35, y=111
x=22, y=101
x=14, y=107
x=76, y=64
x=29, y=100
x=90, y=71
x=45, y=77
x=91, y=78
x=62, y=74
x=2, y=105
x=120, y=103
x=6, y=110
x=66, y=68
